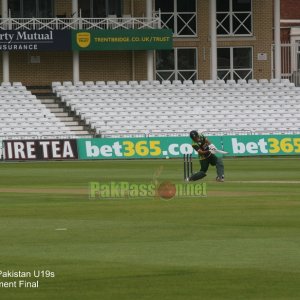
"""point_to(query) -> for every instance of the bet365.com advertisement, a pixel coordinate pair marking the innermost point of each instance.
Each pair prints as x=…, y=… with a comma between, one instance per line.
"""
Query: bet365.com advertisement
x=127, y=148
x=172, y=147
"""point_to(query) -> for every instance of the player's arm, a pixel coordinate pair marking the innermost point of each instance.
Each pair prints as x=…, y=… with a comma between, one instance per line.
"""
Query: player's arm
x=199, y=150
x=209, y=143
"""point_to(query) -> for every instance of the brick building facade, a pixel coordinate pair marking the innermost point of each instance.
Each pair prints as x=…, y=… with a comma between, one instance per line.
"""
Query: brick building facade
x=244, y=47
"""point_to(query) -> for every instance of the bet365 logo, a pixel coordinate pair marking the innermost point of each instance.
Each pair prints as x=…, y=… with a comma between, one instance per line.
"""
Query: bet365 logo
x=83, y=39
x=270, y=145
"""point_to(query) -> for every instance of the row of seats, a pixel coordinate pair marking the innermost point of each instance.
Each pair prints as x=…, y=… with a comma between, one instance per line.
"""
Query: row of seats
x=179, y=101
x=135, y=93
x=131, y=107
x=250, y=82
x=175, y=92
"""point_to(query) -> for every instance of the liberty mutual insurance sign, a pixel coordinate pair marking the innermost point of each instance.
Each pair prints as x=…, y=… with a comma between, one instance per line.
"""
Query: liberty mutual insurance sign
x=35, y=40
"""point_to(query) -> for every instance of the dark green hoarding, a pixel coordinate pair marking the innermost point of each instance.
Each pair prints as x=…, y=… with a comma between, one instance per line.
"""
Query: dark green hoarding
x=35, y=40
x=114, y=39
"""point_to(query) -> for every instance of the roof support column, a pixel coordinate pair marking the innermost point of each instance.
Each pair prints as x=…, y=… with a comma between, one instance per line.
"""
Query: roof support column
x=150, y=53
x=213, y=38
x=76, y=58
x=5, y=54
x=277, y=40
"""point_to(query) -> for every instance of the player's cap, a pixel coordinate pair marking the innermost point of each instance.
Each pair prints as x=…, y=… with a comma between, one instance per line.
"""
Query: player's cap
x=194, y=134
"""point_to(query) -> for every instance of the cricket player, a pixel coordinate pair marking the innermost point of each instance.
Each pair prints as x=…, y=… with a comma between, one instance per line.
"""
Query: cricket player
x=201, y=145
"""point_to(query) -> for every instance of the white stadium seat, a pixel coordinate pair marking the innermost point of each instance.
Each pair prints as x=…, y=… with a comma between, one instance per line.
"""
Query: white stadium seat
x=166, y=83
x=111, y=83
x=220, y=82
x=274, y=80
x=263, y=81
x=188, y=82
x=78, y=83
x=100, y=83
x=89, y=83
x=209, y=82
x=252, y=81
x=198, y=81
x=177, y=82
x=67, y=83
x=242, y=81
x=230, y=81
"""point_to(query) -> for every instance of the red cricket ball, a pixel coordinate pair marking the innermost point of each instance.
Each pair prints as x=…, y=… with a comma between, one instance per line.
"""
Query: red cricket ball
x=166, y=190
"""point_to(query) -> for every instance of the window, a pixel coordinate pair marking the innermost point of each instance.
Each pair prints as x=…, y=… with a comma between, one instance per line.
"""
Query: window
x=31, y=8
x=176, y=64
x=290, y=54
x=178, y=15
x=234, y=17
x=235, y=63
x=100, y=8
x=15, y=7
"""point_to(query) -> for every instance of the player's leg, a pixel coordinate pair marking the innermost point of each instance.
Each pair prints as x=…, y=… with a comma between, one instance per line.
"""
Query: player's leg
x=218, y=162
x=220, y=168
x=202, y=173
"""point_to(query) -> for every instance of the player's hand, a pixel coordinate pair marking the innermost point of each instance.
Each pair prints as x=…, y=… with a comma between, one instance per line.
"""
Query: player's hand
x=212, y=148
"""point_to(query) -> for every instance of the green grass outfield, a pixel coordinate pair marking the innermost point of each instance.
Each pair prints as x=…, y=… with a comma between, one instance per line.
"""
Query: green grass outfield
x=240, y=242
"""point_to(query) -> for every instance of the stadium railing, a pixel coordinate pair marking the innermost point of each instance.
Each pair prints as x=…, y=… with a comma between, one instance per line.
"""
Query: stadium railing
x=79, y=23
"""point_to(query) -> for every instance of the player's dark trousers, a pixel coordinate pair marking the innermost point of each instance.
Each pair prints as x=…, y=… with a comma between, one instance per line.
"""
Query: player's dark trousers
x=212, y=160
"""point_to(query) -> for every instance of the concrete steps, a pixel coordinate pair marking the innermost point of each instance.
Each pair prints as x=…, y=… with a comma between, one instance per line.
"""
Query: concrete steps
x=55, y=109
x=48, y=101
x=71, y=123
x=52, y=105
x=67, y=119
x=58, y=108
x=75, y=127
x=61, y=114
x=82, y=133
